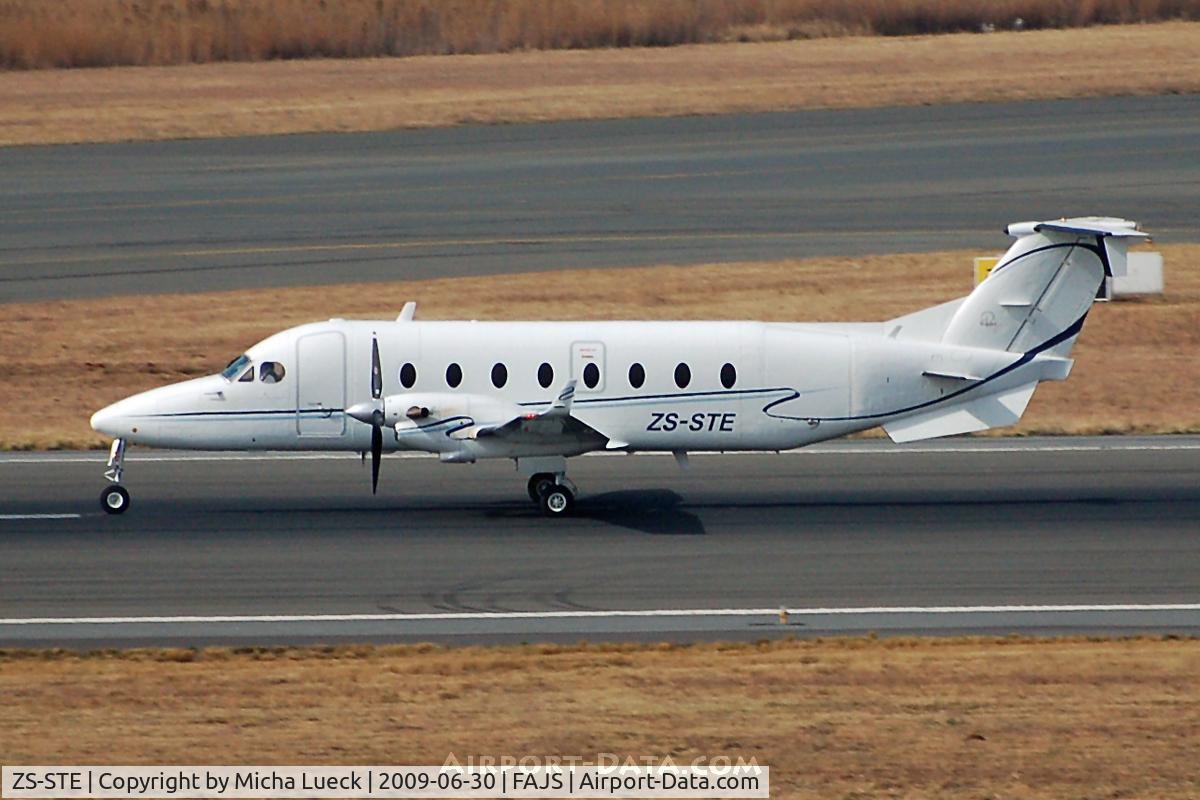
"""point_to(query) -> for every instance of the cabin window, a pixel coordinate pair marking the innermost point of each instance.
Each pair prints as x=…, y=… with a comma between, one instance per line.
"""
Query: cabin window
x=637, y=375
x=247, y=376
x=408, y=376
x=453, y=376
x=270, y=372
x=545, y=375
x=499, y=375
x=728, y=376
x=683, y=375
x=591, y=375
x=234, y=367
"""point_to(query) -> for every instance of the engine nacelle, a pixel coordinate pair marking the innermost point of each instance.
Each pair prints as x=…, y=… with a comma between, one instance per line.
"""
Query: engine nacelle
x=422, y=408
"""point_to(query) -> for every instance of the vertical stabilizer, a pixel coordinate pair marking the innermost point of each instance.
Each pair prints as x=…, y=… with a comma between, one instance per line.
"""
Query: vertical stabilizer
x=1043, y=286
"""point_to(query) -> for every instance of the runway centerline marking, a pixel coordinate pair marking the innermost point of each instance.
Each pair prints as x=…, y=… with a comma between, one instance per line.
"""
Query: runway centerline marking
x=668, y=612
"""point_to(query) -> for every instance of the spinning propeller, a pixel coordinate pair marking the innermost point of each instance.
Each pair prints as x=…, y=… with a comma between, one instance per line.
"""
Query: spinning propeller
x=372, y=414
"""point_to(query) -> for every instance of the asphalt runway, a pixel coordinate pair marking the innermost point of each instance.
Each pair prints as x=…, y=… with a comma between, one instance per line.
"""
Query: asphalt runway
x=86, y=221
x=1033, y=535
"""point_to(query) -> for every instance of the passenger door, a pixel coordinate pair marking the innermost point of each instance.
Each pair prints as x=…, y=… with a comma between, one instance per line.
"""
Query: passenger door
x=321, y=384
x=587, y=366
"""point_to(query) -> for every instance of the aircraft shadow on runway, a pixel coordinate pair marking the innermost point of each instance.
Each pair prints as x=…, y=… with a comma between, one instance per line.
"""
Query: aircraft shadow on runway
x=654, y=511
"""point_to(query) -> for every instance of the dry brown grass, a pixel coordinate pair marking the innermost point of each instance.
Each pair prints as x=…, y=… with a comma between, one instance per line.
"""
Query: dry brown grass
x=136, y=103
x=974, y=718
x=101, y=33
x=1136, y=362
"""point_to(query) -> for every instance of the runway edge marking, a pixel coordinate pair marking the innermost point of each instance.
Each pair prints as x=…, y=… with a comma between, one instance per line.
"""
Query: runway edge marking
x=677, y=612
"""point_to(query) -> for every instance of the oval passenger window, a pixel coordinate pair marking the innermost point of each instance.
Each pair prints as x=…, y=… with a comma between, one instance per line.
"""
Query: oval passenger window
x=637, y=375
x=408, y=376
x=728, y=376
x=453, y=376
x=499, y=375
x=591, y=376
x=683, y=376
x=545, y=375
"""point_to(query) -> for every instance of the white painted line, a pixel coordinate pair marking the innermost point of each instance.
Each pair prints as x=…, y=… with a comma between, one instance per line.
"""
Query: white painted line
x=666, y=612
x=40, y=516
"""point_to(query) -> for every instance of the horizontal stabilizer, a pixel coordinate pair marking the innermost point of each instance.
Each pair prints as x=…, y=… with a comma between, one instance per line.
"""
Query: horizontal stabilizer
x=993, y=411
x=1112, y=233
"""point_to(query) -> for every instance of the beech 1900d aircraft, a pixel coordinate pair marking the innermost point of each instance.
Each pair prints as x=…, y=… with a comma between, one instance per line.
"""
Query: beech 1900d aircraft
x=541, y=392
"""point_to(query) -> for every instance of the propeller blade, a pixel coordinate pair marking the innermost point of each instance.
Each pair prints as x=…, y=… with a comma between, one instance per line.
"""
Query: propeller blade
x=376, y=453
x=376, y=371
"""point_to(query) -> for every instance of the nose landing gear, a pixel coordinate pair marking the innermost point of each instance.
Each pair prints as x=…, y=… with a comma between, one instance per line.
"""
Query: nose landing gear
x=115, y=499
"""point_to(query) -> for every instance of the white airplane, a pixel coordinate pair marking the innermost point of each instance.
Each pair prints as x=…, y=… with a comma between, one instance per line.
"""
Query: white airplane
x=541, y=392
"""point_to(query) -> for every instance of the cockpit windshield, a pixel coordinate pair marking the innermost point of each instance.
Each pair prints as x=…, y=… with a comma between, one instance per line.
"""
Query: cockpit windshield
x=230, y=372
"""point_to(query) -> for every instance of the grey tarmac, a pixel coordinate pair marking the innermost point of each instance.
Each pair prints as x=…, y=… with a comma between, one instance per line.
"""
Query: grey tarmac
x=1050, y=535
x=187, y=216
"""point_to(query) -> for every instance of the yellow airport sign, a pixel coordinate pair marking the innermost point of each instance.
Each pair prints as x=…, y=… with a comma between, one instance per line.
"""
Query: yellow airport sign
x=984, y=266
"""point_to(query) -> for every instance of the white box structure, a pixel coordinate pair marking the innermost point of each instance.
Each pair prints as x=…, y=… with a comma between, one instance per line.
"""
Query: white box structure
x=1143, y=276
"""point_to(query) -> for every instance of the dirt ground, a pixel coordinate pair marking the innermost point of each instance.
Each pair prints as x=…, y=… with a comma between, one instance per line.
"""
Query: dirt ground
x=1135, y=367
x=140, y=103
x=953, y=718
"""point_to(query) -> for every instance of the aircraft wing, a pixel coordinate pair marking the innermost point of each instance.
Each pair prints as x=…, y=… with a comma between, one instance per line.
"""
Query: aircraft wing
x=555, y=419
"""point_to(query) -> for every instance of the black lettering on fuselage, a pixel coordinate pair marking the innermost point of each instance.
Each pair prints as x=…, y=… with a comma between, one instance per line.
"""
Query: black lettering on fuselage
x=699, y=422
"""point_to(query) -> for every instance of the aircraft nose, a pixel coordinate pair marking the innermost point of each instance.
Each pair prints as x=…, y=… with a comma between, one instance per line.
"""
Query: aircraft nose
x=105, y=420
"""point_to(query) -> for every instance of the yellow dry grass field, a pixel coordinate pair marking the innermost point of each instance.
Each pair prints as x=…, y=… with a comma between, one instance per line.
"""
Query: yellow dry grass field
x=1136, y=367
x=228, y=99
x=35, y=34
x=953, y=718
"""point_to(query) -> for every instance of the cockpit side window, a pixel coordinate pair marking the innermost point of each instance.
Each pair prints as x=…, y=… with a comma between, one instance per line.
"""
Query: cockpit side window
x=247, y=376
x=270, y=372
x=234, y=367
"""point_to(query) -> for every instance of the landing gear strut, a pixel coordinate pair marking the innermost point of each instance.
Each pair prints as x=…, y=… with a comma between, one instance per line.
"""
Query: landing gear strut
x=115, y=499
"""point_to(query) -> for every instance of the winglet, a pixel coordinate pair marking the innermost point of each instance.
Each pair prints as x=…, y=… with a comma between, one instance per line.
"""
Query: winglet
x=408, y=313
x=562, y=404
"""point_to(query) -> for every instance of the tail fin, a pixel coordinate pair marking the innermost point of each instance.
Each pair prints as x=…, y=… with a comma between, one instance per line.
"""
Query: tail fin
x=1021, y=320
x=1039, y=293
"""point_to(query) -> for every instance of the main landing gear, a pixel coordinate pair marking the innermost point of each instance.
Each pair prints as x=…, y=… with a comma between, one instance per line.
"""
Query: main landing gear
x=115, y=499
x=554, y=493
